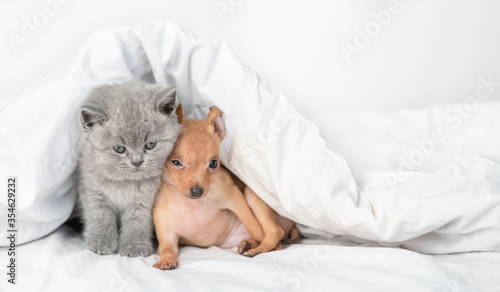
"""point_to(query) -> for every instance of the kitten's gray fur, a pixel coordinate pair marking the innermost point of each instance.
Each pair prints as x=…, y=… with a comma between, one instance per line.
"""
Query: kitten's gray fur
x=116, y=197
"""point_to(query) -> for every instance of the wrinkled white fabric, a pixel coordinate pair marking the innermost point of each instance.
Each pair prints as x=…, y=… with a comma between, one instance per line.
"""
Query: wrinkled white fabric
x=449, y=207
x=61, y=262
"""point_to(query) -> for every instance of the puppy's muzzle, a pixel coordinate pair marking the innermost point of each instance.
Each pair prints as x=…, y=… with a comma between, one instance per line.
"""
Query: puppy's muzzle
x=196, y=192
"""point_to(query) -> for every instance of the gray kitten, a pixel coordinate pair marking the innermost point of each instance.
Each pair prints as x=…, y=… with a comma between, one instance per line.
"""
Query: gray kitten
x=127, y=132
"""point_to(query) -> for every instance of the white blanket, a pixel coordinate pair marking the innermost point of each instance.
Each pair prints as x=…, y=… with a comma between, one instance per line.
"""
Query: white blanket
x=450, y=204
x=61, y=262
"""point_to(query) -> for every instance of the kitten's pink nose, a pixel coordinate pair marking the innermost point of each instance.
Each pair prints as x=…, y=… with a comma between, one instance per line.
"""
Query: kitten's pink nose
x=138, y=163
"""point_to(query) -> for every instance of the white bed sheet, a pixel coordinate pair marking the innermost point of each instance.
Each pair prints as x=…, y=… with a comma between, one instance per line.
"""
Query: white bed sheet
x=61, y=262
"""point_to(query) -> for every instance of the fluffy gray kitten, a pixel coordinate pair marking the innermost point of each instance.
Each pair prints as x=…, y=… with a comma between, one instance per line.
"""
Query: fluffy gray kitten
x=127, y=132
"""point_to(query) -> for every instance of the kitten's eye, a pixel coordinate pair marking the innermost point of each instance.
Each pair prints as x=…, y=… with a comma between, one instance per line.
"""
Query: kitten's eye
x=213, y=164
x=119, y=149
x=150, y=145
x=176, y=162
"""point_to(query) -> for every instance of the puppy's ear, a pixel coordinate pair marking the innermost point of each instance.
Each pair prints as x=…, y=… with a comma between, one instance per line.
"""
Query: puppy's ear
x=165, y=100
x=91, y=115
x=180, y=113
x=216, y=122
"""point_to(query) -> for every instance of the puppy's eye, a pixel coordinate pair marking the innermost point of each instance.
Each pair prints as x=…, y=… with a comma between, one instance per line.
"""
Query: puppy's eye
x=176, y=162
x=150, y=145
x=213, y=164
x=119, y=149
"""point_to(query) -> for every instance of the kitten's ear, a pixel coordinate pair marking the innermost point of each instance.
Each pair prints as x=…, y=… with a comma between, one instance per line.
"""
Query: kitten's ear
x=89, y=116
x=166, y=100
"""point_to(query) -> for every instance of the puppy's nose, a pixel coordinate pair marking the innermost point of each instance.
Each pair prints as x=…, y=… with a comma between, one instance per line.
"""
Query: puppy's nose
x=137, y=163
x=196, y=192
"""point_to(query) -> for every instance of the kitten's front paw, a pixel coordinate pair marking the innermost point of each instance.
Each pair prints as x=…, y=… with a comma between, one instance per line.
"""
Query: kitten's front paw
x=103, y=243
x=140, y=249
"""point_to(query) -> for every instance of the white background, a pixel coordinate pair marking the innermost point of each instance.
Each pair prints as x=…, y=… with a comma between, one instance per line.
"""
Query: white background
x=429, y=52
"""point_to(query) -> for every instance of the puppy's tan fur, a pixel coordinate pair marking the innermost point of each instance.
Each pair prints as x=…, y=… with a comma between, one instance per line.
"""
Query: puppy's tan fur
x=183, y=216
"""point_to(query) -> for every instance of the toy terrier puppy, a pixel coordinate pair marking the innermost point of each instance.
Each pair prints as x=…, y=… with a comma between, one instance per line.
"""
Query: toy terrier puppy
x=201, y=203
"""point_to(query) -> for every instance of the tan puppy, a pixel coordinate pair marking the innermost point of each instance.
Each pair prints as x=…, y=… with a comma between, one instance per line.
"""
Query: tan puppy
x=200, y=203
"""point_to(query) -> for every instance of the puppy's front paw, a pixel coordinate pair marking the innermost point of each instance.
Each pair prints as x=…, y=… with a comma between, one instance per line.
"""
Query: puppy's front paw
x=166, y=265
x=139, y=249
x=102, y=243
